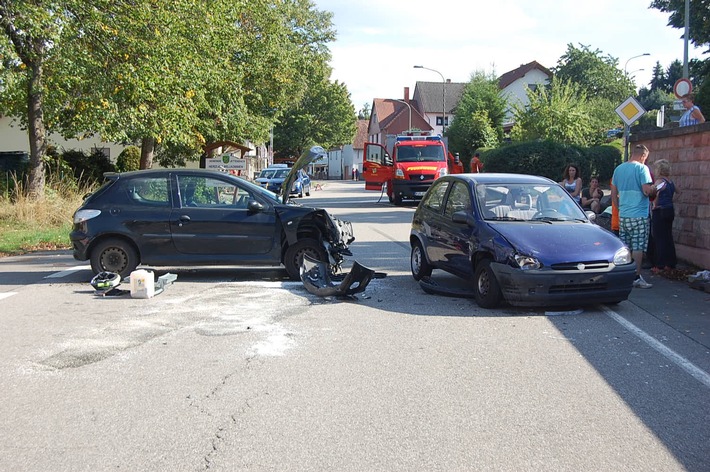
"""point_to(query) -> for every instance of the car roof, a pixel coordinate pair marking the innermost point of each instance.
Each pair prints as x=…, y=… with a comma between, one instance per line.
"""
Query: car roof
x=154, y=172
x=495, y=178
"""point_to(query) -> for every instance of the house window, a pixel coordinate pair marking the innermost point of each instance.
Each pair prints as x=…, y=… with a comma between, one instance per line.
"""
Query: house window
x=439, y=120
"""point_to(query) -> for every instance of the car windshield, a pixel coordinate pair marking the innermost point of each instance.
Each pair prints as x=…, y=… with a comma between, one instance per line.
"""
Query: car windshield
x=281, y=173
x=527, y=202
x=267, y=174
x=420, y=153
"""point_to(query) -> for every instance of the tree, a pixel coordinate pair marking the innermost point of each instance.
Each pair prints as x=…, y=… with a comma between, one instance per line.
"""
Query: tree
x=658, y=80
x=479, y=116
x=561, y=113
x=325, y=116
x=598, y=76
x=177, y=73
x=699, y=24
x=364, y=113
x=673, y=73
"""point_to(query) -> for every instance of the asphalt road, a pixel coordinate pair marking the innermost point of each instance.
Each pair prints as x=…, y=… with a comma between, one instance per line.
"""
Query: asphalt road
x=241, y=369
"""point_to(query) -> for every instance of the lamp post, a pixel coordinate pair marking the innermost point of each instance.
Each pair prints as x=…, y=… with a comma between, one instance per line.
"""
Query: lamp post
x=410, y=112
x=443, y=97
x=627, y=129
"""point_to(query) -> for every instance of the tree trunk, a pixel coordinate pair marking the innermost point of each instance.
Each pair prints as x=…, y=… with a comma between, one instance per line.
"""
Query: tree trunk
x=147, y=150
x=37, y=133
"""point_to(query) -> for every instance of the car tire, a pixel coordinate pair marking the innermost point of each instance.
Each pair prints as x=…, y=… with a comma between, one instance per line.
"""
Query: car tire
x=114, y=255
x=397, y=200
x=308, y=190
x=485, y=286
x=294, y=256
x=418, y=263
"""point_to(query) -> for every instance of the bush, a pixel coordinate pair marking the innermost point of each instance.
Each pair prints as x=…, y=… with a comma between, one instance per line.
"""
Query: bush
x=129, y=159
x=88, y=169
x=549, y=159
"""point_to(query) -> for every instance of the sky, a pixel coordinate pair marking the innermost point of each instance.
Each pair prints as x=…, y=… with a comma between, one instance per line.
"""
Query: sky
x=379, y=41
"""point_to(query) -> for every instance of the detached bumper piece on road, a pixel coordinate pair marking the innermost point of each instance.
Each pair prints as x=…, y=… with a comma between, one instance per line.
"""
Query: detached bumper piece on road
x=317, y=279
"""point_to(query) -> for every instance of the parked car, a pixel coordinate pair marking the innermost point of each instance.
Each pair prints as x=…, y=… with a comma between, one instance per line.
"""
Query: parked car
x=272, y=178
x=180, y=217
x=519, y=238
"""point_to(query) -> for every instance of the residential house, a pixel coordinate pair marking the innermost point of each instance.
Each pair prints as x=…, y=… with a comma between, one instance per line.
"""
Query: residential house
x=434, y=99
x=514, y=85
x=394, y=116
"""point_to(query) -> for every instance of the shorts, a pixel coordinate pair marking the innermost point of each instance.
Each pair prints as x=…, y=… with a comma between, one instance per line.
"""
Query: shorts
x=634, y=232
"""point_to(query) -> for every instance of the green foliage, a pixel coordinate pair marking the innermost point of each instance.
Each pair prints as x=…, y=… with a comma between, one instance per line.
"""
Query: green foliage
x=324, y=116
x=699, y=24
x=479, y=116
x=654, y=99
x=129, y=159
x=597, y=75
x=562, y=113
x=87, y=169
x=549, y=158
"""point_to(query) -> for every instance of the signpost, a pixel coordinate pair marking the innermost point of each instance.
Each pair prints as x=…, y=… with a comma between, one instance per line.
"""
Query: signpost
x=225, y=162
x=629, y=111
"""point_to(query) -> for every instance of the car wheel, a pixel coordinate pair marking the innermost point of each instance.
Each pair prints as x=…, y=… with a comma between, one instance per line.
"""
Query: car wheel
x=397, y=200
x=485, y=286
x=294, y=256
x=114, y=255
x=418, y=263
x=308, y=190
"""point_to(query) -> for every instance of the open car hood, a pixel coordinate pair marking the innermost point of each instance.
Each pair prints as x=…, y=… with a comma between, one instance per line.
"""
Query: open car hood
x=306, y=158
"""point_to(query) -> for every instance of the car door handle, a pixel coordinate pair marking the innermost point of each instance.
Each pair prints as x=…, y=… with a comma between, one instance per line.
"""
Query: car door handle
x=183, y=219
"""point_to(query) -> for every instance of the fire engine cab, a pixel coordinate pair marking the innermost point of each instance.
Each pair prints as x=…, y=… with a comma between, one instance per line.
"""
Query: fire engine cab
x=406, y=166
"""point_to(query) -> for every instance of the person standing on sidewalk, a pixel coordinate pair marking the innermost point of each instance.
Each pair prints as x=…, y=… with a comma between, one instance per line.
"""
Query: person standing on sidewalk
x=662, y=220
x=631, y=187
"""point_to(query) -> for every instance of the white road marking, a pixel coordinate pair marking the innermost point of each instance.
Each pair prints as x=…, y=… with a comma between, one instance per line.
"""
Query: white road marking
x=674, y=357
x=68, y=271
x=7, y=295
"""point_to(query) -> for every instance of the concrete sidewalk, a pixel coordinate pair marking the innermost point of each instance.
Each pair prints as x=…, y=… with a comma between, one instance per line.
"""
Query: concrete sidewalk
x=677, y=304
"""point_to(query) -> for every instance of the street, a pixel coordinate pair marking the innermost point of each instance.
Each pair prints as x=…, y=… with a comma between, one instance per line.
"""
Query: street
x=243, y=369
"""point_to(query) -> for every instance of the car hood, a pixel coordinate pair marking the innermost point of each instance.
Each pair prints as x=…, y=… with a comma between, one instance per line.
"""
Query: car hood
x=559, y=242
x=306, y=158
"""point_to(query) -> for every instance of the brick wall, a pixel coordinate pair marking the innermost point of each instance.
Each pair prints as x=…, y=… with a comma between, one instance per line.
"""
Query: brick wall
x=688, y=151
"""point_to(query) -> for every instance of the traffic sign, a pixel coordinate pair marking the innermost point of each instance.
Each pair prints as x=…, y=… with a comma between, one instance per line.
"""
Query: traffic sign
x=682, y=87
x=630, y=111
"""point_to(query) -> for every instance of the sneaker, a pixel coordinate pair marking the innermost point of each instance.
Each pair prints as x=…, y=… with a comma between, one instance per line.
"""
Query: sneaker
x=640, y=283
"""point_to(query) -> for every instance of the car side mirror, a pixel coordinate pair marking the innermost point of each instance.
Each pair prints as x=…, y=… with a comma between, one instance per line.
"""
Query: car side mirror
x=388, y=160
x=463, y=217
x=591, y=215
x=254, y=207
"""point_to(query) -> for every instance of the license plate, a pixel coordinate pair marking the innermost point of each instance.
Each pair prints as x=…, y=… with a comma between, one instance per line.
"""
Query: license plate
x=419, y=194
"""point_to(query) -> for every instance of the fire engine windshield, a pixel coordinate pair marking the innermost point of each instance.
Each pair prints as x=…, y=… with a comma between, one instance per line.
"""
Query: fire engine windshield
x=420, y=154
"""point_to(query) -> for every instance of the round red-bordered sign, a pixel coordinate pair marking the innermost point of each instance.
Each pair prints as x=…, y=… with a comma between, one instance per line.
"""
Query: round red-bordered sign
x=682, y=87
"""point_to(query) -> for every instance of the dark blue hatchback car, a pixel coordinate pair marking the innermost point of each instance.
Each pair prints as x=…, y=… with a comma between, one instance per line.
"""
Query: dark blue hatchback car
x=520, y=238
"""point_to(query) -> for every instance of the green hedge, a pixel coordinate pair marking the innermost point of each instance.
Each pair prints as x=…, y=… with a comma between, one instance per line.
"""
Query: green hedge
x=549, y=159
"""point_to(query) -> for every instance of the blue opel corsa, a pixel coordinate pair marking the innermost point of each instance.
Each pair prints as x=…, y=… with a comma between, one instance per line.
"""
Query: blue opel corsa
x=518, y=238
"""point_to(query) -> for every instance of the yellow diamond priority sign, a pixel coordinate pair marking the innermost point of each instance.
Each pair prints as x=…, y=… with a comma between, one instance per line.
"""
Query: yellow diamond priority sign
x=630, y=111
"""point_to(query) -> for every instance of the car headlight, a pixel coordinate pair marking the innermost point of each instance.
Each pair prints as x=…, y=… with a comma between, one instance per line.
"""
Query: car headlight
x=622, y=256
x=398, y=174
x=527, y=262
x=443, y=171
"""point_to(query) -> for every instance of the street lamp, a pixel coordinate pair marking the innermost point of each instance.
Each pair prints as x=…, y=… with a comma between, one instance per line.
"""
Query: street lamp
x=443, y=97
x=634, y=57
x=627, y=129
x=410, y=112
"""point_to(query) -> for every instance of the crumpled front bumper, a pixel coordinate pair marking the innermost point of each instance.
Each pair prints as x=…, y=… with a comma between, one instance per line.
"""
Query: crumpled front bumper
x=317, y=279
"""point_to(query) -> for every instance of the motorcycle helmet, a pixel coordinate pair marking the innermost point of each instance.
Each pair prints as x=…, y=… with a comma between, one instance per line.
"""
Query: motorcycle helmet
x=106, y=281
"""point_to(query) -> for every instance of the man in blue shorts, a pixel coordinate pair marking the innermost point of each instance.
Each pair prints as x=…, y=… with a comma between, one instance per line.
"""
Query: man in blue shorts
x=631, y=187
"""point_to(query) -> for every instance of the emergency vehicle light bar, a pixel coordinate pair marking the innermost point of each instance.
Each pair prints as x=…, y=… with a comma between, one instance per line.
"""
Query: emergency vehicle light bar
x=418, y=138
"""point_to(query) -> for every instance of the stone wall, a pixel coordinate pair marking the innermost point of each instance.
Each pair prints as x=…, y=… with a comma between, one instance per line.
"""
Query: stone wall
x=688, y=151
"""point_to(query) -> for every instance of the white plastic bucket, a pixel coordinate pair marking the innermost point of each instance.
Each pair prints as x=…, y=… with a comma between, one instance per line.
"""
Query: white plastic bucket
x=142, y=284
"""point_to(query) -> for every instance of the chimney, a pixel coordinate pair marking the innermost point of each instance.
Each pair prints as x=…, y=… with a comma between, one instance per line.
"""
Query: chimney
x=406, y=94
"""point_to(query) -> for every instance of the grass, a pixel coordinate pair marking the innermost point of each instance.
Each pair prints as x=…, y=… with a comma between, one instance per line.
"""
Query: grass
x=31, y=224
